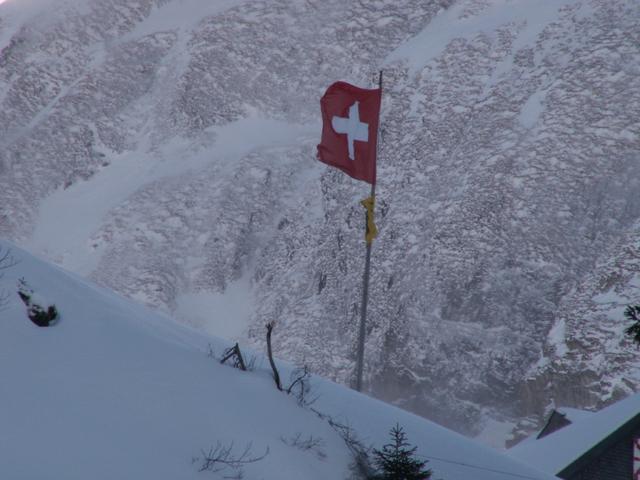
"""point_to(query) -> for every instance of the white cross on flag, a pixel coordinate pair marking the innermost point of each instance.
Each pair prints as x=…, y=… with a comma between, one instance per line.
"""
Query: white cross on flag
x=350, y=130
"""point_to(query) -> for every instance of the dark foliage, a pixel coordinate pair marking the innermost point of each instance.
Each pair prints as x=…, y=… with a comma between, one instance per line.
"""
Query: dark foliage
x=42, y=317
x=39, y=315
x=632, y=313
x=396, y=460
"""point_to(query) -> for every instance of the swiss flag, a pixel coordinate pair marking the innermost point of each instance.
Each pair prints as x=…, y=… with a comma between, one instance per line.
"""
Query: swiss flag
x=350, y=130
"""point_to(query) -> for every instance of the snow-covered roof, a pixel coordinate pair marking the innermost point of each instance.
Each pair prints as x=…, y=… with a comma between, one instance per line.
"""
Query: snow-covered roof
x=574, y=414
x=556, y=451
x=117, y=391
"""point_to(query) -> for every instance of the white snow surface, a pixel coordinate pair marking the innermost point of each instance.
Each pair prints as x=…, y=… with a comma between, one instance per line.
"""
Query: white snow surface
x=225, y=315
x=70, y=216
x=165, y=149
x=494, y=432
x=575, y=414
x=532, y=109
x=558, y=450
x=117, y=391
x=460, y=21
x=557, y=336
x=181, y=15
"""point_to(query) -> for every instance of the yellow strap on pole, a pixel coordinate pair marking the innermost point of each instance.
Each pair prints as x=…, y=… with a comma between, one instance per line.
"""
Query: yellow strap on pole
x=372, y=230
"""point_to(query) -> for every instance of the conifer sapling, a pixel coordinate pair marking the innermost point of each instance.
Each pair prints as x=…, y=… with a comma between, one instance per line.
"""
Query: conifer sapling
x=396, y=460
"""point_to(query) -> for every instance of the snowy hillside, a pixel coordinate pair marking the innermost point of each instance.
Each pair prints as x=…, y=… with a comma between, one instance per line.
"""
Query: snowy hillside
x=165, y=149
x=113, y=390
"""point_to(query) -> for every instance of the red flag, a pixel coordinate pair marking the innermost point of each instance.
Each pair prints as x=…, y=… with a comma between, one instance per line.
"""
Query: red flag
x=350, y=130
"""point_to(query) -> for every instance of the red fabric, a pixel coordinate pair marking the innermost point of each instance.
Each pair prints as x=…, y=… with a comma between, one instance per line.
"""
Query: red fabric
x=334, y=146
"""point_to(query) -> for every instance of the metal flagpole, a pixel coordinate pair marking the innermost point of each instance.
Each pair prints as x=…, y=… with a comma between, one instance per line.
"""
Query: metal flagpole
x=365, y=288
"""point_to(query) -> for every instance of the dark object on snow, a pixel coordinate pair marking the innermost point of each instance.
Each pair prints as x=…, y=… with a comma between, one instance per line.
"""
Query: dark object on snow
x=221, y=459
x=41, y=316
x=235, y=353
x=397, y=462
x=276, y=374
x=632, y=313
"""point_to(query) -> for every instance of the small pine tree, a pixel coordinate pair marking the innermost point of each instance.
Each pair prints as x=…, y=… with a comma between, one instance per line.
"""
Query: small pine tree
x=396, y=459
x=632, y=313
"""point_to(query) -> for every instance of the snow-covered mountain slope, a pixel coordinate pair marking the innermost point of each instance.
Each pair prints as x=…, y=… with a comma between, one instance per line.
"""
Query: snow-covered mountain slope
x=114, y=390
x=165, y=149
x=587, y=341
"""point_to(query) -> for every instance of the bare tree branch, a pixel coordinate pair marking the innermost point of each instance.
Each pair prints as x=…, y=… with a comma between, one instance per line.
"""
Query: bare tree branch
x=276, y=375
x=238, y=361
x=6, y=259
x=301, y=386
x=359, y=451
x=314, y=444
x=300, y=375
x=221, y=457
